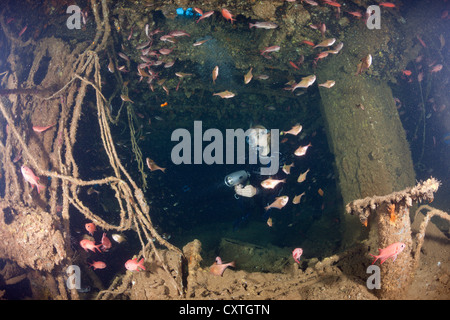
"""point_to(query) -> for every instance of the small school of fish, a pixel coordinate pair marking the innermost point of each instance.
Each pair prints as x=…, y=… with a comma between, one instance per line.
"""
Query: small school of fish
x=104, y=246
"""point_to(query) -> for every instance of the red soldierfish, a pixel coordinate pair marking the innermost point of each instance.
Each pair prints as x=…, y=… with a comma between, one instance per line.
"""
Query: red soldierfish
x=332, y=3
x=387, y=4
x=134, y=265
x=293, y=65
x=218, y=267
x=390, y=251
x=297, y=253
x=42, y=129
x=98, y=265
x=89, y=245
x=90, y=227
x=356, y=14
x=106, y=243
x=309, y=43
x=227, y=15
x=30, y=177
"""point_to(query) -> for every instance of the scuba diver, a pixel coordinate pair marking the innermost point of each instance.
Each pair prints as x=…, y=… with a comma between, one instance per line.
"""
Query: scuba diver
x=247, y=186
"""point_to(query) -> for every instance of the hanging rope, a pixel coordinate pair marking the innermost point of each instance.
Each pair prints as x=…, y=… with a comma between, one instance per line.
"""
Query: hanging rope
x=65, y=177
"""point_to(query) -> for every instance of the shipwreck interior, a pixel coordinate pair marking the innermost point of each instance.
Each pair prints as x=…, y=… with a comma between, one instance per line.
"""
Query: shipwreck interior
x=90, y=98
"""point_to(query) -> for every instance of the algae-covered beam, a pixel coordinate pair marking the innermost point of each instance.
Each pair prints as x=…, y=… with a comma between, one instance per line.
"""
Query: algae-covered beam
x=423, y=191
x=390, y=215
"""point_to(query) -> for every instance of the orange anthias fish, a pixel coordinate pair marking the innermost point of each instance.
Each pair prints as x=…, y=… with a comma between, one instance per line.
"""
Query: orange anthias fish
x=295, y=130
x=134, y=265
x=106, y=243
x=298, y=198
x=205, y=15
x=224, y=94
x=153, y=166
x=90, y=227
x=390, y=251
x=89, y=245
x=125, y=98
x=248, y=77
x=304, y=83
x=328, y=84
x=227, y=15
x=199, y=43
x=215, y=73
x=301, y=151
x=279, y=203
x=437, y=68
x=30, y=177
x=287, y=168
x=42, y=129
x=98, y=265
x=326, y=43
x=218, y=267
x=364, y=64
x=302, y=176
x=271, y=183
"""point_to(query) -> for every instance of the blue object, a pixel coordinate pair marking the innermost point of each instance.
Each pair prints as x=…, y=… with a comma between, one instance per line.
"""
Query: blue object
x=189, y=12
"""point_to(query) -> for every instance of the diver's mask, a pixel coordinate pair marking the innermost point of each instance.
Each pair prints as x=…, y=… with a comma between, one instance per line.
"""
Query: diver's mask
x=238, y=177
